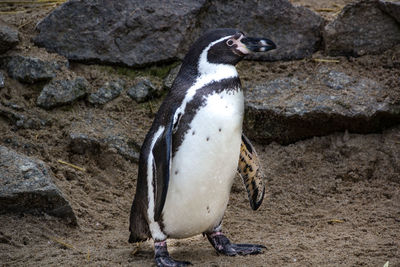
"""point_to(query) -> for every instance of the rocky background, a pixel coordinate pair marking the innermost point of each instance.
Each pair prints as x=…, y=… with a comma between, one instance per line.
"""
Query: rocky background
x=80, y=82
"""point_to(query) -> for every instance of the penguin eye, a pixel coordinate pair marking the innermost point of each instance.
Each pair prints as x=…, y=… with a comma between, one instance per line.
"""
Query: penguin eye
x=229, y=42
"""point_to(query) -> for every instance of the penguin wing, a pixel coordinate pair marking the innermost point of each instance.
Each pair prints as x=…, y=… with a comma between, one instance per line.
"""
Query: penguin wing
x=162, y=151
x=249, y=170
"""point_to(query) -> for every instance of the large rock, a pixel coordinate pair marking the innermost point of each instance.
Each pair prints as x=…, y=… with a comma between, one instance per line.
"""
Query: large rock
x=363, y=27
x=131, y=32
x=26, y=186
x=31, y=69
x=136, y=33
x=62, y=92
x=295, y=30
x=8, y=37
x=289, y=109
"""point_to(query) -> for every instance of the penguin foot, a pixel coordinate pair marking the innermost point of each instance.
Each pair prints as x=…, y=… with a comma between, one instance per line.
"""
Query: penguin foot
x=170, y=262
x=163, y=259
x=222, y=245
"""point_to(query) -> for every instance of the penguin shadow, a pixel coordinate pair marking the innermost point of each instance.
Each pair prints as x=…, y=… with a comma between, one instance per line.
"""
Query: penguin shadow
x=195, y=251
x=198, y=251
x=142, y=257
x=195, y=255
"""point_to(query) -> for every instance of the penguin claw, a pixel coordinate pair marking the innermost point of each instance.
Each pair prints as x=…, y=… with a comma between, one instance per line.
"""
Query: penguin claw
x=167, y=261
x=223, y=246
x=248, y=249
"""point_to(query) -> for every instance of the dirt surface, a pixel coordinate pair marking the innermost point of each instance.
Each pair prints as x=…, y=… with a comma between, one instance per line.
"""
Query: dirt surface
x=330, y=201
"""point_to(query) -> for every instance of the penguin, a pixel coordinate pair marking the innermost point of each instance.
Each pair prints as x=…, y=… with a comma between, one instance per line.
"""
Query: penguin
x=194, y=148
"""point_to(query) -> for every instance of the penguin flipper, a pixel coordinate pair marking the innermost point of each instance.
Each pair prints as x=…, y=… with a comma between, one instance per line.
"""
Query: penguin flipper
x=162, y=151
x=249, y=170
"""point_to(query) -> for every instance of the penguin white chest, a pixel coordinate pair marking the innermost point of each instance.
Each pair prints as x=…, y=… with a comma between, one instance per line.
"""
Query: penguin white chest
x=204, y=167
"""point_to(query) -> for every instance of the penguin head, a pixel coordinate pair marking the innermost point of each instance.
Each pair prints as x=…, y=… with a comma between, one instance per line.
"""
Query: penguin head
x=226, y=46
x=234, y=45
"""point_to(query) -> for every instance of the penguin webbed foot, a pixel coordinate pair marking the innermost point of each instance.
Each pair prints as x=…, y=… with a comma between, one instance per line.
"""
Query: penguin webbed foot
x=163, y=259
x=223, y=246
x=167, y=261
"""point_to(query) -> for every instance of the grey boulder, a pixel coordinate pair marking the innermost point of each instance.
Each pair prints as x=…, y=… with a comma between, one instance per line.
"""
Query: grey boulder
x=26, y=186
x=289, y=109
x=295, y=30
x=62, y=92
x=137, y=33
x=130, y=32
x=364, y=27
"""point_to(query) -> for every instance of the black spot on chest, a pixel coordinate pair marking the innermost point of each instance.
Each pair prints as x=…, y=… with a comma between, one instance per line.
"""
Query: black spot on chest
x=230, y=86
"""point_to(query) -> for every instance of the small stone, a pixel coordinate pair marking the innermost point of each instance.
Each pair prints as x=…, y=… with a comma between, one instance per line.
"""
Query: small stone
x=81, y=143
x=20, y=120
x=2, y=84
x=108, y=92
x=335, y=79
x=26, y=186
x=8, y=37
x=62, y=92
x=32, y=69
x=102, y=135
x=125, y=147
x=142, y=91
x=169, y=80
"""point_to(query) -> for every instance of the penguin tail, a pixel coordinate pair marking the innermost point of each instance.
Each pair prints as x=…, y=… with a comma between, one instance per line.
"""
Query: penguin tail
x=138, y=227
x=135, y=239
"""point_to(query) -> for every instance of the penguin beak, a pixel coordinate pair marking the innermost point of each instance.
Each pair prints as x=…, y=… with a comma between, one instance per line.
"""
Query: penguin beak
x=243, y=45
x=258, y=44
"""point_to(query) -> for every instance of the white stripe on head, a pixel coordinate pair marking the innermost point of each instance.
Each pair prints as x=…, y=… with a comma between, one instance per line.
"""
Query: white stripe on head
x=155, y=229
x=208, y=72
x=207, y=68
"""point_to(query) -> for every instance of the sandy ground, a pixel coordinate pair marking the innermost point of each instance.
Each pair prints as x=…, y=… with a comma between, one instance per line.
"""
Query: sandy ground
x=330, y=201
